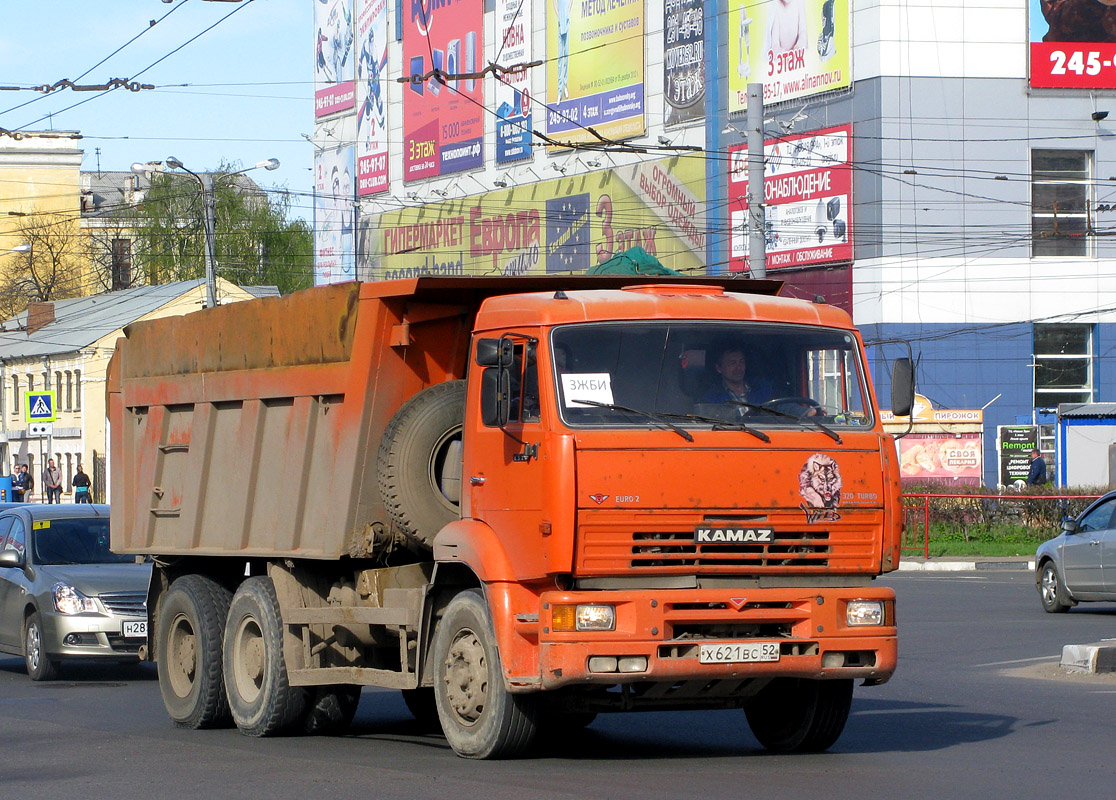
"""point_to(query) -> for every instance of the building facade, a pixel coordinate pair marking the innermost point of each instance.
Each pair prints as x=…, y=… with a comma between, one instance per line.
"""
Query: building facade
x=944, y=172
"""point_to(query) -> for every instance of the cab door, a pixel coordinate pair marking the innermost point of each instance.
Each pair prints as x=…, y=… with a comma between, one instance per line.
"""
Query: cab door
x=504, y=477
x=1082, y=551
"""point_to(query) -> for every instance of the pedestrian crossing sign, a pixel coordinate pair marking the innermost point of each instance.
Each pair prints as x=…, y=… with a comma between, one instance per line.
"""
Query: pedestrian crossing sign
x=39, y=407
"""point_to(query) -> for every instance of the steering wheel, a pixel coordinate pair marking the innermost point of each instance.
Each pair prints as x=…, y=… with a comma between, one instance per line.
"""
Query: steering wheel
x=802, y=406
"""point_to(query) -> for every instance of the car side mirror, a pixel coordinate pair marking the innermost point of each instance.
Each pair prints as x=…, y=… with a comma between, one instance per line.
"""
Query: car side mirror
x=11, y=558
x=1069, y=525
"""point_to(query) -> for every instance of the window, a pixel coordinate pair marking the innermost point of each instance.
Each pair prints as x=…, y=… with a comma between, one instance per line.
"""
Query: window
x=77, y=390
x=1063, y=364
x=1060, y=195
x=121, y=269
x=69, y=391
x=15, y=395
x=57, y=388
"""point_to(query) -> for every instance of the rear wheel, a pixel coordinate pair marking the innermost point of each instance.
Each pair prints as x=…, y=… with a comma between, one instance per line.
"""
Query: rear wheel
x=330, y=709
x=479, y=716
x=39, y=665
x=261, y=700
x=798, y=715
x=1051, y=591
x=188, y=647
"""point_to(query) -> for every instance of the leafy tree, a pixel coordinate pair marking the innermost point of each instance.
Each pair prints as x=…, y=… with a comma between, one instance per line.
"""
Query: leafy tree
x=48, y=266
x=256, y=241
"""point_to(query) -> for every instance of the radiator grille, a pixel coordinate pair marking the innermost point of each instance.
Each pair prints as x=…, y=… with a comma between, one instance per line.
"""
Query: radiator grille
x=125, y=604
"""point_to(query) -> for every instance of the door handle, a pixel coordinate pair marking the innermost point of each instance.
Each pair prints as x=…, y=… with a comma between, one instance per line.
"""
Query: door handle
x=476, y=481
x=1094, y=543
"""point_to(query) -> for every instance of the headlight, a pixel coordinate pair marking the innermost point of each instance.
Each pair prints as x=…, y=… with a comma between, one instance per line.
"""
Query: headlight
x=68, y=600
x=864, y=612
x=584, y=617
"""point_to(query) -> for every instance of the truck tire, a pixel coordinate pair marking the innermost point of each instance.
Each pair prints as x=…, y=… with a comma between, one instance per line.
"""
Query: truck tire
x=423, y=707
x=419, y=467
x=480, y=717
x=188, y=646
x=799, y=715
x=261, y=700
x=330, y=709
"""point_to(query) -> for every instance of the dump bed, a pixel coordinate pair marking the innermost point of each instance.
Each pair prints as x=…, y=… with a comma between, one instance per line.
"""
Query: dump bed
x=253, y=429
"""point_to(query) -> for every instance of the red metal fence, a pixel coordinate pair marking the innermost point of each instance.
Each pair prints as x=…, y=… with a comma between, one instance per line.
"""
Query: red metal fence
x=917, y=512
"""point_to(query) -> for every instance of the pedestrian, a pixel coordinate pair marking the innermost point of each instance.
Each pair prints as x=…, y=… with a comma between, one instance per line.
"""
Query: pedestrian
x=19, y=484
x=28, y=483
x=1037, y=475
x=52, y=482
x=81, y=486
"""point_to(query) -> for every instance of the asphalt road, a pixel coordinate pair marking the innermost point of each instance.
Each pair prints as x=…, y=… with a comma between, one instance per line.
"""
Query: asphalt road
x=977, y=709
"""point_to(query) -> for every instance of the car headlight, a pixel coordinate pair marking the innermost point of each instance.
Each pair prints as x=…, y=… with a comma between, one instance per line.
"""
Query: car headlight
x=583, y=617
x=68, y=600
x=864, y=612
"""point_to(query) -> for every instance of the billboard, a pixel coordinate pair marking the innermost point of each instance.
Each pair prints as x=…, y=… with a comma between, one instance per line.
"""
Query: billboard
x=684, y=61
x=559, y=225
x=371, y=77
x=941, y=458
x=443, y=119
x=808, y=196
x=795, y=48
x=1073, y=44
x=594, y=69
x=512, y=21
x=334, y=215
x=1015, y=444
x=333, y=62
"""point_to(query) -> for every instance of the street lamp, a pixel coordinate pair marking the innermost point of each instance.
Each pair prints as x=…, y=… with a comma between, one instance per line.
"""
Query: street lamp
x=209, y=205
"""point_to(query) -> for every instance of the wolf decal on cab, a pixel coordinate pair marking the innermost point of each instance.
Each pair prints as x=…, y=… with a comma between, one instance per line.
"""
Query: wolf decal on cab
x=819, y=484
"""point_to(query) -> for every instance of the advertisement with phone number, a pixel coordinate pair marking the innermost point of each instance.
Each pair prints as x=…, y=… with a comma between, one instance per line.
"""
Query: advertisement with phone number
x=1073, y=44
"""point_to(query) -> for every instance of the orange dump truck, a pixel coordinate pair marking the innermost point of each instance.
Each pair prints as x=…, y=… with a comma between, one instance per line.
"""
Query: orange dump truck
x=522, y=502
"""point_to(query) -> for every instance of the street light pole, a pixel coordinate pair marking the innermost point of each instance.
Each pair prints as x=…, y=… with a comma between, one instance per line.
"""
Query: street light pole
x=209, y=214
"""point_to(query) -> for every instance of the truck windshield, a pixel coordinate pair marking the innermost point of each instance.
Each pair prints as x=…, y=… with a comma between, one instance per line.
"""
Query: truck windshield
x=705, y=374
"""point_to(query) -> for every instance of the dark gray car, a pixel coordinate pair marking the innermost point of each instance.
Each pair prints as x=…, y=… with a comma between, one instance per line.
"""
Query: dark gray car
x=63, y=593
x=1080, y=563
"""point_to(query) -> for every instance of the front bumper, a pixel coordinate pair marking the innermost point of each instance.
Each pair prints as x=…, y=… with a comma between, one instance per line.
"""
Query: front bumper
x=89, y=636
x=667, y=629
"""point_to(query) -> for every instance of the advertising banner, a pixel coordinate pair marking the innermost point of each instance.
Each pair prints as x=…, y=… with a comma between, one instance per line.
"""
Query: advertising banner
x=941, y=457
x=795, y=48
x=1073, y=44
x=808, y=191
x=594, y=70
x=333, y=62
x=371, y=74
x=334, y=213
x=443, y=119
x=1015, y=444
x=684, y=60
x=513, y=89
x=560, y=225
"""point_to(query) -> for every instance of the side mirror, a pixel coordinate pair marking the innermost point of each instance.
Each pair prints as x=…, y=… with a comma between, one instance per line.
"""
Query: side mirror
x=1069, y=525
x=902, y=387
x=495, y=352
x=11, y=558
x=495, y=397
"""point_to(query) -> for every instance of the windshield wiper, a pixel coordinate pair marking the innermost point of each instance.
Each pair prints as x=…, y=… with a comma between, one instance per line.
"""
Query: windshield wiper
x=724, y=425
x=660, y=418
x=832, y=434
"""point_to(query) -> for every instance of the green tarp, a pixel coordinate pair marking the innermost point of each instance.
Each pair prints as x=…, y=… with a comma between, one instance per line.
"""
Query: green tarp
x=636, y=261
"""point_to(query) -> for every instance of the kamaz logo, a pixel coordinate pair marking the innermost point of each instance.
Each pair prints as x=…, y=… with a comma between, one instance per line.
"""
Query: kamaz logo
x=733, y=535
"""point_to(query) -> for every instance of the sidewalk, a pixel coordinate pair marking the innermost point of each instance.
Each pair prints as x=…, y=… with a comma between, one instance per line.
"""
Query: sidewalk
x=966, y=564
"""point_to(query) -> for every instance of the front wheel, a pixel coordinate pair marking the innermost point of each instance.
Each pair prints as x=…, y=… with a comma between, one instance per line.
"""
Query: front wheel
x=798, y=715
x=1051, y=591
x=39, y=665
x=479, y=716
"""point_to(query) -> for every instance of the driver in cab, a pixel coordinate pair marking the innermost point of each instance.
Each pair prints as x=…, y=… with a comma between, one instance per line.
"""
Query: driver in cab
x=731, y=365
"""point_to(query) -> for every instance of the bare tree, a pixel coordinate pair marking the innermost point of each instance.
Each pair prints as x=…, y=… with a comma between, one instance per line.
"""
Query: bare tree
x=47, y=265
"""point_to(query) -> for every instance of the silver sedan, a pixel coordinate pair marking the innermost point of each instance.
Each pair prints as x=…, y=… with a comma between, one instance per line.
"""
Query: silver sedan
x=1080, y=563
x=63, y=594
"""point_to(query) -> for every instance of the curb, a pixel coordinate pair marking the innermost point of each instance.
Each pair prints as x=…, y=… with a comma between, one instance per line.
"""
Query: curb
x=912, y=565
